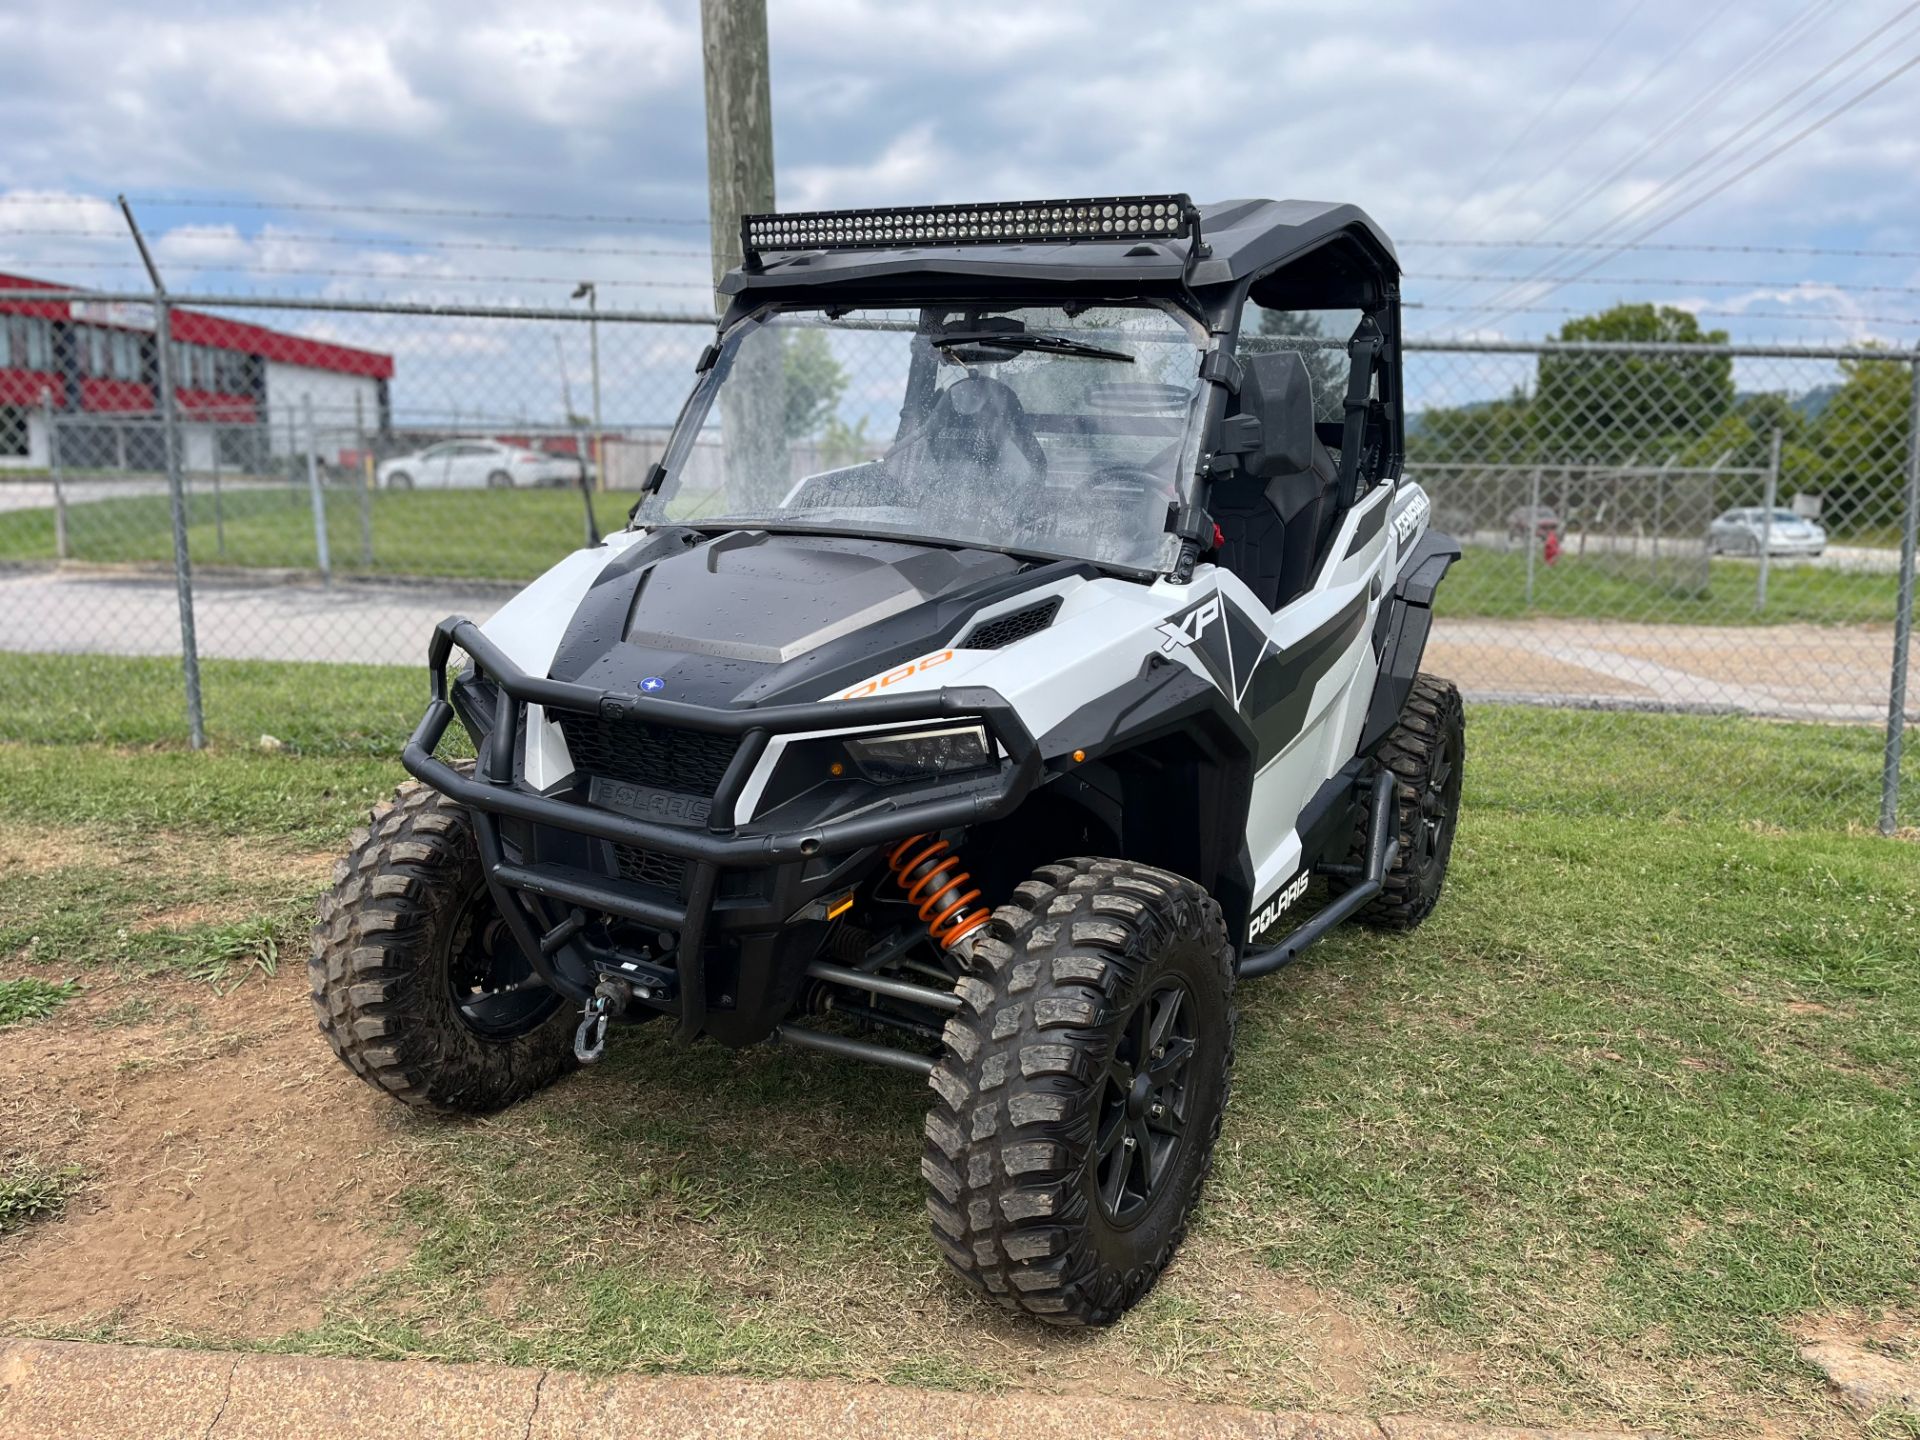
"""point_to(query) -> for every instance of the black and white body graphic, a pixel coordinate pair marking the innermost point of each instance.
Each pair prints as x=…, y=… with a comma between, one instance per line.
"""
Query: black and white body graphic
x=989, y=720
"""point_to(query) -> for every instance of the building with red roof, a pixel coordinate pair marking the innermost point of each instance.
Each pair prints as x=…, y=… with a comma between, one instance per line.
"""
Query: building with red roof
x=242, y=390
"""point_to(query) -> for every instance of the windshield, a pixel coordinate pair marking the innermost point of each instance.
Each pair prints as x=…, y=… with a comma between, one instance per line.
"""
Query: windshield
x=1037, y=429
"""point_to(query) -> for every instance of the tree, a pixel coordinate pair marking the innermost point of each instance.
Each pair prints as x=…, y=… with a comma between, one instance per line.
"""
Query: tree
x=813, y=381
x=1612, y=409
x=1742, y=439
x=1485, y=432
x=1327, y=363
x=1860, y=440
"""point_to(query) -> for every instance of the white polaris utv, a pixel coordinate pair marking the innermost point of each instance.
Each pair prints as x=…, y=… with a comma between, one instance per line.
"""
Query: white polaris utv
x=990, y=732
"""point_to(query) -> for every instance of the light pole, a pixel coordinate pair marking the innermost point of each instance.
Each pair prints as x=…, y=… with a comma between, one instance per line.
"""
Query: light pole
x=589, y=290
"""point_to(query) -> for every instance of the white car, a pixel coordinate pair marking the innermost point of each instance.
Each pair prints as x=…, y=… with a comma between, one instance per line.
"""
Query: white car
x=1744, y=532
x=475, y=465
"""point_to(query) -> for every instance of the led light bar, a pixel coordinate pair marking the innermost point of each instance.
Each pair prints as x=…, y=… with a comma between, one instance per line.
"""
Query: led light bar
x=1108, y=217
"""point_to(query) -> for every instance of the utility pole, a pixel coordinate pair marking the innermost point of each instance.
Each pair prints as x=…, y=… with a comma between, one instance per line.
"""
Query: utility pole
x=740, y=182
x=592, y=292
x=739, y=123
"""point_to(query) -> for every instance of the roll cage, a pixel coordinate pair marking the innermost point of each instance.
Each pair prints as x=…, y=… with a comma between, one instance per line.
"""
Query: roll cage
x=1287, y=255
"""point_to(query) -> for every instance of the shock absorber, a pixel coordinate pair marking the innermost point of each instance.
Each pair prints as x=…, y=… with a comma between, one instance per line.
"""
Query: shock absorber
x=928, y=869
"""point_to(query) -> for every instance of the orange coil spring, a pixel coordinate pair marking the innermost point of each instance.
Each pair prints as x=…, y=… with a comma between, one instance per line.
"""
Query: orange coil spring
x=929, y=871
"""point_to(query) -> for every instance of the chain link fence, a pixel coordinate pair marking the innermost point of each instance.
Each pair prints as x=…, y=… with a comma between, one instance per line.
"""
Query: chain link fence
x=1704, y=530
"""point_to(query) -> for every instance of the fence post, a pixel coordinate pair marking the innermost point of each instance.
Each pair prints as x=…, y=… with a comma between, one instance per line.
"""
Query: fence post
x=1902, y=620
x=176, y=487
x=364, y=466
x=53, y=469
x=177, y=506
x=1766, y=521
x=1533, y=531
x=313, y=492
x=219, y=511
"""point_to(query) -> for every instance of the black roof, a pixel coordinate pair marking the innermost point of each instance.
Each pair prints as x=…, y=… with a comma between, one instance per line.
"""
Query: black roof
x=1242, y=237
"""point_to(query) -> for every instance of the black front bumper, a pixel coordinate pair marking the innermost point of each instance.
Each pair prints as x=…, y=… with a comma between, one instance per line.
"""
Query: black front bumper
x=540, y=900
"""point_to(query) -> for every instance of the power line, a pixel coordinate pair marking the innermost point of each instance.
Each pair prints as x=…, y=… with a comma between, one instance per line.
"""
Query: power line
x=1652, y=200
x=1703, y=104
x=1600, y=127
x=1773, y=45
x=1694, y=204
x=1545, y=110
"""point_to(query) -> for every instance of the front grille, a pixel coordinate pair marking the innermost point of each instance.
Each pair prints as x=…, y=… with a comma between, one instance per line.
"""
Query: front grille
x=650, y=867
x=1003, y=630
x=661, y=757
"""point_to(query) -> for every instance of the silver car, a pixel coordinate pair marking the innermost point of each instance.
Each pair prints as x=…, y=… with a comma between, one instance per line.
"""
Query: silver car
x=1744, y=532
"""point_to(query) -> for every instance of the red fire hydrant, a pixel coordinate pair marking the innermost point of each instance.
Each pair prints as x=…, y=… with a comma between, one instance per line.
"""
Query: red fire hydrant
x=1552, y=552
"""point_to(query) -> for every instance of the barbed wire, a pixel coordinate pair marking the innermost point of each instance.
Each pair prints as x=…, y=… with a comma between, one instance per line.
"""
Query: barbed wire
x=371, y=243
x=444, y=211
x=1470, y=308
x=1673, y=247
x=1677, y=280
x=399, y=278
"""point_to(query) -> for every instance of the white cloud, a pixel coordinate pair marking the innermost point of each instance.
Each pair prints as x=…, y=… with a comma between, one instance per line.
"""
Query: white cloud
x=595, y=106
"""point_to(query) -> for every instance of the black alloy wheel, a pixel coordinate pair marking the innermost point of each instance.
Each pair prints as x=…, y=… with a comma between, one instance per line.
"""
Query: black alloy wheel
x=1143, y=1110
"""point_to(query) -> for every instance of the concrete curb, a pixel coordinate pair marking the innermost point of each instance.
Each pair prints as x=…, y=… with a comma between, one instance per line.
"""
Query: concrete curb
x=60, y=1390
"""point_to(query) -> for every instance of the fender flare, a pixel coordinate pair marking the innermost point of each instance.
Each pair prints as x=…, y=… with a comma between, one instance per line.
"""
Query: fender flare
x=1400, y=632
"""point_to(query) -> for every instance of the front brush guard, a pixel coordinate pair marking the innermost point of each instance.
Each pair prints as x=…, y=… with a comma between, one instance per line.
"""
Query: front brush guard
x=490, y=793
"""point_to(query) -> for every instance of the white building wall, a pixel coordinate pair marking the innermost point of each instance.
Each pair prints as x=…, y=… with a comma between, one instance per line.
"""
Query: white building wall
x=333, y=395
x=196, y=445
x=36, y=456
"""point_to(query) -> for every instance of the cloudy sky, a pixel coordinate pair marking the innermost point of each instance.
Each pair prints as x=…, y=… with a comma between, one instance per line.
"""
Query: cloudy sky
x=293, y=148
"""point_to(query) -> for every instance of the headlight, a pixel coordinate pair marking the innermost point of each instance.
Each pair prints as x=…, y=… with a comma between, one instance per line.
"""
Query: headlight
x=921, y=754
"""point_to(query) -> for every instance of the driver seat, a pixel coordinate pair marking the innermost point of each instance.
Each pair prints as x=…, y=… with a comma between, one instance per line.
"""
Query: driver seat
x=976, y=428
x=1274, y=530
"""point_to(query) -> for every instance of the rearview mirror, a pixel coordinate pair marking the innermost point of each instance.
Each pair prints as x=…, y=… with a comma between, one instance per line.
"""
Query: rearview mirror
x=1275, y=390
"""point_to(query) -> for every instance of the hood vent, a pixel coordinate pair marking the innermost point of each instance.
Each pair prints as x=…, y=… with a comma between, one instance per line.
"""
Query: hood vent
x=1003, y=630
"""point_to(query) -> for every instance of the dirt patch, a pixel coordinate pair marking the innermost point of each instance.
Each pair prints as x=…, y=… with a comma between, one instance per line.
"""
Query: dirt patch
x=37, y=850
x=182, y=917
x=233, y=1168
x=1894, y=1332
x=1515, y=669
x=1339, y=1354
x=45, y=849
x=1844, y=658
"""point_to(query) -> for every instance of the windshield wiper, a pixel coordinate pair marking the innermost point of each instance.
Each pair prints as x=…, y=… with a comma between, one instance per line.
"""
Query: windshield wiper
x=1047, y=344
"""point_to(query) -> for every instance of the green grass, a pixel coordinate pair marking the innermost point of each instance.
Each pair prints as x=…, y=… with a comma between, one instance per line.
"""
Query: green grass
x=1492, y=584
x=469, y=534
x=30, y=998
x=32, y=1191
x=514, y=536
x=1639, y=1100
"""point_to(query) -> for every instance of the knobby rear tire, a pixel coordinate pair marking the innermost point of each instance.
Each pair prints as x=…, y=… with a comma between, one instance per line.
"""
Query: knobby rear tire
x=1430, y=735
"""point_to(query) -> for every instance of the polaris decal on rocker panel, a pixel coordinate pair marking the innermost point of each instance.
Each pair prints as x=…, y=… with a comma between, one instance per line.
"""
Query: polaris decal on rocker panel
x=1278, y=906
